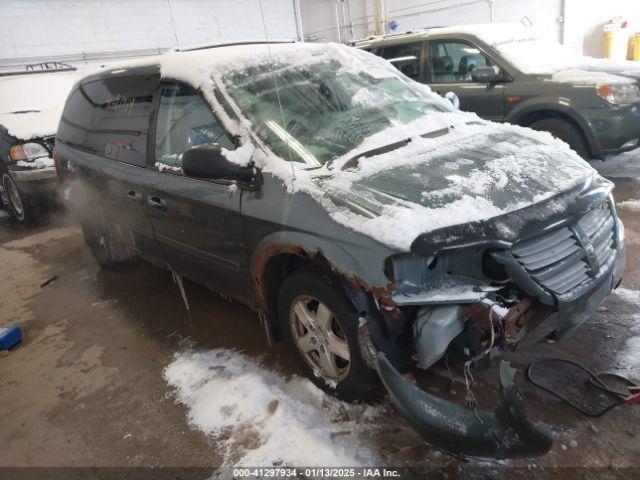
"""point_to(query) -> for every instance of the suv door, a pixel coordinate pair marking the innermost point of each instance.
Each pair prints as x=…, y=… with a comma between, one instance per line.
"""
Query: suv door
x=196, y=222
x=450, y=63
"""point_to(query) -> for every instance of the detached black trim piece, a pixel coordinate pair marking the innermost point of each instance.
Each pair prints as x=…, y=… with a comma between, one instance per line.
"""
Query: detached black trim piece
x=505, y=433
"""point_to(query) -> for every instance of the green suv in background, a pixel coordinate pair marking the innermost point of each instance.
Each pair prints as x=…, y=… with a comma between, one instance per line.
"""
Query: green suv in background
x=506, y=73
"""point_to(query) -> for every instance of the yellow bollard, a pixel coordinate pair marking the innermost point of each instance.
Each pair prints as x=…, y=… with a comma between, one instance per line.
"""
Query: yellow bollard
x=634, y=50
x=615, y=43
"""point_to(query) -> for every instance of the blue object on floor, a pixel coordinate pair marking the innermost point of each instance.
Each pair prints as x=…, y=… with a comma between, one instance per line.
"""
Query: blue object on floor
x=10, y=337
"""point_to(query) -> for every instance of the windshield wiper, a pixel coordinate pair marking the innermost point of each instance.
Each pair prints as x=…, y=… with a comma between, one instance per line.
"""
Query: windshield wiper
x=355, y=160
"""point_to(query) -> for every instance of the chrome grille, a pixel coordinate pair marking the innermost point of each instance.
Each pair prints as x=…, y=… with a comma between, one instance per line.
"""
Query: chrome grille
x=49, y=143
x=570, y=256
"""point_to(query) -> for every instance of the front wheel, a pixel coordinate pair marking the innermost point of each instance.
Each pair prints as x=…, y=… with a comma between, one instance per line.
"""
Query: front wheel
x=565, y=131
x=17, y=205
x=322, y=327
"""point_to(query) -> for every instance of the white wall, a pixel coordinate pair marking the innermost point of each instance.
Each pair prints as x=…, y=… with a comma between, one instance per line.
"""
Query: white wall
x=50, y=29
x=583, y=26
x=579, y=25
x=319, y=16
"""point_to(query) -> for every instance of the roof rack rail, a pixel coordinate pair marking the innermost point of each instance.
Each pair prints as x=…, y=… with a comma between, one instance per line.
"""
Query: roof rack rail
x=389, y=35
x=232, y=44
x=31, y=68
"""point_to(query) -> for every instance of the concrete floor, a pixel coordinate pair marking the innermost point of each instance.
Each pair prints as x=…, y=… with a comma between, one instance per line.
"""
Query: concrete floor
x=85, y=388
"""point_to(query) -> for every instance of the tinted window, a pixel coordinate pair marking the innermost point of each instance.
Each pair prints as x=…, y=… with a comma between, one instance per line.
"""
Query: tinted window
x=184, y=121
x=453, y=61
x=110, y=117
x=405, y=58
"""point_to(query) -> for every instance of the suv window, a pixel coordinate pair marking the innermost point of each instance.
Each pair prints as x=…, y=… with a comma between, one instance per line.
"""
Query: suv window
x=110, y=117
x=184, y=121
x=405, y=57
x=453, y=61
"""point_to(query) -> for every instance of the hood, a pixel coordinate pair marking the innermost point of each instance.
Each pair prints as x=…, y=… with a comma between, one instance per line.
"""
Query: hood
x=627, y=68
x=31, y=104
x=26, y=125
x=472, y=173
x=584, y=76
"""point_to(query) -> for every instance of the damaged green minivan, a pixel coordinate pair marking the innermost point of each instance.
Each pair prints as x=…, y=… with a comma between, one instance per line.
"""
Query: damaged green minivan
x=365, y=220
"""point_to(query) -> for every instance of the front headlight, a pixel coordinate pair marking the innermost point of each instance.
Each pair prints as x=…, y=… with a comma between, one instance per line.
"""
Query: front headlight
x=27, y=152
x=619, y=93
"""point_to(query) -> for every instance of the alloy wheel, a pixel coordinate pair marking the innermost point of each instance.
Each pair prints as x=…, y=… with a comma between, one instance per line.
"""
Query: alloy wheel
x=320, y=338
x=13, y=195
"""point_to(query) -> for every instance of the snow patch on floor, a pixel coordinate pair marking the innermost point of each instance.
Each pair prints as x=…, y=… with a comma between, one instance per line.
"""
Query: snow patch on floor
x=629, y=357
x=258, y=417
x=628, y=295
x=633, y=205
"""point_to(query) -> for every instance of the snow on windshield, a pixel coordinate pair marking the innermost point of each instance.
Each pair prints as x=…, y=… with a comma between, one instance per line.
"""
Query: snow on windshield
x=31, y=105
x=532, y=53
x=320, y=107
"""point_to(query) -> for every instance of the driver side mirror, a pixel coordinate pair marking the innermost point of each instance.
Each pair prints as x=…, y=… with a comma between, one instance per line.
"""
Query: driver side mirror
x=208, y=161
x=486, y=74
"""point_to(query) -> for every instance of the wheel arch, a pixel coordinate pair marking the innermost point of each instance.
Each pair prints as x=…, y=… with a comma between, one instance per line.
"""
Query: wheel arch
x=528, y=114
x=279, y=255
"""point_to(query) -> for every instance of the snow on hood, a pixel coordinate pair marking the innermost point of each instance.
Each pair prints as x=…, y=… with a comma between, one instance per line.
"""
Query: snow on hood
x=532, y=53
x=477, y=171
x=585, y=77
x=31, y=105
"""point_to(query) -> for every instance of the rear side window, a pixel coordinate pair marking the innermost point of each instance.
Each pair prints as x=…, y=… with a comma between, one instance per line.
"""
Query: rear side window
x=405, y=57
x=110, y=117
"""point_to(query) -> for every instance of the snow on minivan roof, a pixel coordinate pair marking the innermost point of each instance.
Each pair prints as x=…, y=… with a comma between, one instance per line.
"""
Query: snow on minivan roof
x=191, y=64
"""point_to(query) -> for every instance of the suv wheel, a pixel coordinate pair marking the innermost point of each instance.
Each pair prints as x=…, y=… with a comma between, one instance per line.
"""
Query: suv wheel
x=322, y=326
x=19, y=209
x=565, y=131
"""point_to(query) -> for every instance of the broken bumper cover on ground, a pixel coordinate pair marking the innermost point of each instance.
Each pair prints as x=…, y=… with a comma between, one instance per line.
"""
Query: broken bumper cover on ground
x=504, y=433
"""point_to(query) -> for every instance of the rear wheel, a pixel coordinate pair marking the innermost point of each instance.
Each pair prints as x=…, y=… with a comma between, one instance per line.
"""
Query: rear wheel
x=565, y=131
x=322, y=327
x=107, y=252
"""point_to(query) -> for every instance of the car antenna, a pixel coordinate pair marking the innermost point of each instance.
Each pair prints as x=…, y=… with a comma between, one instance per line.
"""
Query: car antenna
x=275, y=81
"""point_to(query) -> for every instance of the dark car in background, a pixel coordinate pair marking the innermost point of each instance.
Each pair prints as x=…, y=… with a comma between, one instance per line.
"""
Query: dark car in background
x=31, y=103
x=507, y=73
x=363, y=218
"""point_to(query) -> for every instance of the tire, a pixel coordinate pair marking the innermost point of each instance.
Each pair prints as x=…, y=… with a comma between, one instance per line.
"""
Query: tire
x=105, y=250
x=17, y=205
x=565, y=131
x=348, y=379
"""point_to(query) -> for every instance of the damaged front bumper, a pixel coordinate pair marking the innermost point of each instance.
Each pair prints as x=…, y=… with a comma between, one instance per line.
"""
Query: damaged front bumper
x=468, y=314
x=504, y=433
x=36, y=182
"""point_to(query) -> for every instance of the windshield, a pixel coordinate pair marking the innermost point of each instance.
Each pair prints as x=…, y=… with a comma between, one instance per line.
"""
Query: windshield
x=531, y=55
x=330, y=105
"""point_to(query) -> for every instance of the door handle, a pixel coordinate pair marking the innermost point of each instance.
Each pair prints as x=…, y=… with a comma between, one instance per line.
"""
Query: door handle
x=158, y=203
x=136, y=196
